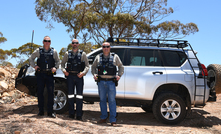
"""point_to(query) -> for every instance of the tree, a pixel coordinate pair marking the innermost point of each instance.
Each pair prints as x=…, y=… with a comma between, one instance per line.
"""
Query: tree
x=4, y=53
x=6, y=63
x=2, y=39
x=23, y=52
x=85, y=47
x=114, y=18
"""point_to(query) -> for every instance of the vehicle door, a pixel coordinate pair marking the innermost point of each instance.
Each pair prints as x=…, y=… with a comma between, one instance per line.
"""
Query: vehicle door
x=178, y=68
x=144, y=73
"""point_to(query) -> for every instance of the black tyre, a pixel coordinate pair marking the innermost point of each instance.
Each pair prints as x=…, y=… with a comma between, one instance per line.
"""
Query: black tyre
x=169, y=108
x=214, y=77
x=60, y=98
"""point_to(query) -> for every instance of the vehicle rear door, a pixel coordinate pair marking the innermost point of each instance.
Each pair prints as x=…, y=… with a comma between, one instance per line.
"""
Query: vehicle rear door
x=144, y=73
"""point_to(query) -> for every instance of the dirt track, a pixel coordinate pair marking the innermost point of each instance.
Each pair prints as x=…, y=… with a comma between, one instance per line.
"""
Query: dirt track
x=21, y=116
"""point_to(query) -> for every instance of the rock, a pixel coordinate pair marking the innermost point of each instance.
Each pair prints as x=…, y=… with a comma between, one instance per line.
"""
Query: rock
x=8, y=92
x=17, y=132
x=3, y=86
x=16, y=94
x=4, y=73
x=7, y=99
x=13, y=76
x=5, y=94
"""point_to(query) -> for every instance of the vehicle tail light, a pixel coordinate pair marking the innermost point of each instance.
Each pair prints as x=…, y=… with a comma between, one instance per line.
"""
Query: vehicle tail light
x=204, y=70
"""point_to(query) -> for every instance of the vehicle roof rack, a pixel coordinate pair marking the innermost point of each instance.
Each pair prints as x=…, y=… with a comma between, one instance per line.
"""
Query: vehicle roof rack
x=147, y=42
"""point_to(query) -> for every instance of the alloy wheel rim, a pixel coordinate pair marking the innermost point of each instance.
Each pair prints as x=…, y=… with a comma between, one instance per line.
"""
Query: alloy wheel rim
x=170, y=109
x=60, y=100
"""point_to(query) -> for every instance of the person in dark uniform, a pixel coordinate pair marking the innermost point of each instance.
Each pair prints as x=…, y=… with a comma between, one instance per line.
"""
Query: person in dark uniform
x=47, y=63
x=104, y=72
x=77, y=66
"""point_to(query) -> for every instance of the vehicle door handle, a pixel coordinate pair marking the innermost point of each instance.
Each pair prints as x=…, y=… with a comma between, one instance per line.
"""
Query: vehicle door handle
x=157, y=72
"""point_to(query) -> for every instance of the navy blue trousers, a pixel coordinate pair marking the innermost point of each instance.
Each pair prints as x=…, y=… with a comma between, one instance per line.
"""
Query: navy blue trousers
x=72, y=82
x=48, y=80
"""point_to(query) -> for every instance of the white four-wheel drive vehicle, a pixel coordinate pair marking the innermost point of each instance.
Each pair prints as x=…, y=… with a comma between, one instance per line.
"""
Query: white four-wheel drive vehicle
x=162, y=76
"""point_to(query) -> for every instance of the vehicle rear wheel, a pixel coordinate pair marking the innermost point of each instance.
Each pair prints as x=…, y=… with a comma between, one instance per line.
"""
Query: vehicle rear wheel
x=169, y=108
x=214, y=77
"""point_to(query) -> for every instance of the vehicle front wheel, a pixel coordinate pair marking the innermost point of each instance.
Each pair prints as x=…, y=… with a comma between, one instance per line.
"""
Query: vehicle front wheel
x=169, y=108
x=60, y=99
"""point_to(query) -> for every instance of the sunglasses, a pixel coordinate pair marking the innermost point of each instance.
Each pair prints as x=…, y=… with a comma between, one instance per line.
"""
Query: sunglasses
x=47, y=40
x=106, y=46
x=74, y=42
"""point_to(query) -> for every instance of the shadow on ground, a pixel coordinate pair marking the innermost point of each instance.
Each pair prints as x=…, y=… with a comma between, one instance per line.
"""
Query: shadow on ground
x=197, y=118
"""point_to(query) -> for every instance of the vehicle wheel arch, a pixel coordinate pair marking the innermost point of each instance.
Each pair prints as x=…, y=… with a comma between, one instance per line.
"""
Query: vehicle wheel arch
x=178, y=89
x=59, y=80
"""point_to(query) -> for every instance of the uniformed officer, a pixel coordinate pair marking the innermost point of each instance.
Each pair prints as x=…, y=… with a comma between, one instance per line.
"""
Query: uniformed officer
x=47, y=63
x=104, y=71
x=77, y=66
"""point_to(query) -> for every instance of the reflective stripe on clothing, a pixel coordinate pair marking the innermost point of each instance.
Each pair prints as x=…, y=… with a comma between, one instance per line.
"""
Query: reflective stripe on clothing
x=71, y=96
x=79, y=96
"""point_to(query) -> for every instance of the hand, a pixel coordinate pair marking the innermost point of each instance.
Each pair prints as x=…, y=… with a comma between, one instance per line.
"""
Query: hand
x=66, y=73
x=53, y=69
x=80, y=75
x=118, y=78
x=95, y=76
x=36, y=68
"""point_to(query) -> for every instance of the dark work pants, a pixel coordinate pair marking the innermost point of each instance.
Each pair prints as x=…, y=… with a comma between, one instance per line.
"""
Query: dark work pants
x=74, y=81
x=48, y=80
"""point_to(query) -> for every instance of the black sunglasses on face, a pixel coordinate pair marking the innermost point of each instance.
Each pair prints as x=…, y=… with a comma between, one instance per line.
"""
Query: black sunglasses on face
x=74, y=42
x=105, y=46
x=47, y=40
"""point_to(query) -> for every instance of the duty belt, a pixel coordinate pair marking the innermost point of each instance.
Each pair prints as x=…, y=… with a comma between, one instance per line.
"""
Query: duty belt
x=107, y=79
x=47, y=71
x=73, y=72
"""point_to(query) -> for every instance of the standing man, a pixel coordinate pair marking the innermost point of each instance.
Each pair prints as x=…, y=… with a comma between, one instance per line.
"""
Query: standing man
x=77, y=67
x=47, y=63
x=104, y=71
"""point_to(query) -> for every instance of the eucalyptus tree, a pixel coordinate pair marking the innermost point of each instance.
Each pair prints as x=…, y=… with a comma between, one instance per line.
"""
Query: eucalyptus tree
x=2, y=39
x=23, y=52
x=114, y=18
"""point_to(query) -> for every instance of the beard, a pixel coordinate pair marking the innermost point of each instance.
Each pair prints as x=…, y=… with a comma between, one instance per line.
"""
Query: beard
x=74, y=47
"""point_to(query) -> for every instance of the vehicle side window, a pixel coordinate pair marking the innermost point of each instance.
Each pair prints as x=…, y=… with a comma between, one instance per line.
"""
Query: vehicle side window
x=173, y=58
x=120, y=53
x=142, y=57
x=92, y=57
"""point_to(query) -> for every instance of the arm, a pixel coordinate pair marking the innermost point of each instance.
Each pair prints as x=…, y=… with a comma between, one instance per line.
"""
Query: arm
x=56, y=58
x=64, y=61
x=84, y=58
x=120, y=67
x=57, y=61
x=94, y=66
x=32, y=58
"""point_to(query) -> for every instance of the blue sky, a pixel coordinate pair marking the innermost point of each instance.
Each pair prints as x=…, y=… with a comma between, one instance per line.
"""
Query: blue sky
x=18, y=20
